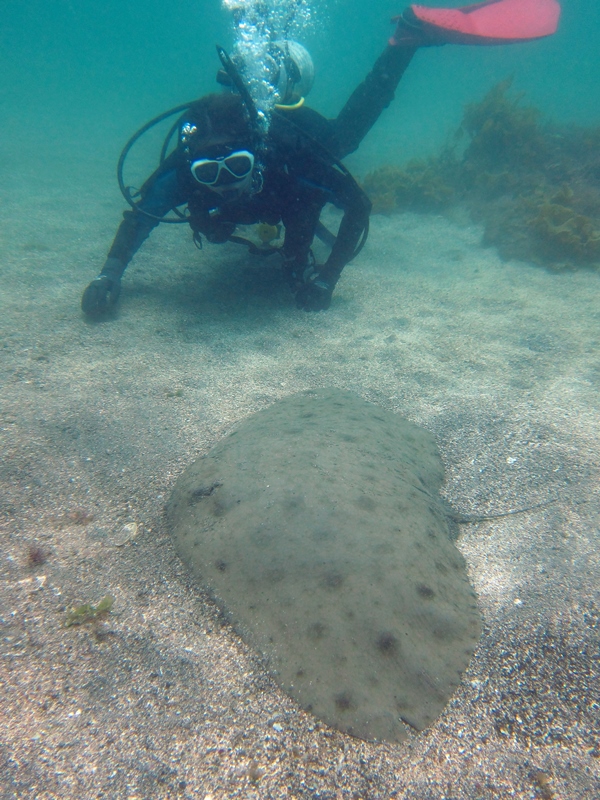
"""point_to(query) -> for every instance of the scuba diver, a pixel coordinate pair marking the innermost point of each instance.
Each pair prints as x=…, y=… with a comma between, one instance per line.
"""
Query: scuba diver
x=229, y=168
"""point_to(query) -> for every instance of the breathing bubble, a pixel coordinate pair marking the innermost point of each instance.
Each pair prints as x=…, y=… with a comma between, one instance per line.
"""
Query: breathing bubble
x=257, y=25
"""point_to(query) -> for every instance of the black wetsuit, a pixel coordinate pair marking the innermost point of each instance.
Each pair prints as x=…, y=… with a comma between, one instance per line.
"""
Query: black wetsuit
x=302, y=173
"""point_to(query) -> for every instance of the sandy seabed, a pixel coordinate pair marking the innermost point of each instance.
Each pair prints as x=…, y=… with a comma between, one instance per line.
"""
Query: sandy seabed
x=161, y=699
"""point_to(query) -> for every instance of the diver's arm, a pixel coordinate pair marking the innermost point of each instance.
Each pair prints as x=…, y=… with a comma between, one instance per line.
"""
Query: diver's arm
x=161, y=192
x=314, y=284
x=353, y=226
x=300, y=219
x=346, y=194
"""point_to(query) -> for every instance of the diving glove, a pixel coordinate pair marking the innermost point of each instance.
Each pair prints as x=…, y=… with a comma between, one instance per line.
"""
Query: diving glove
x=102, y=294
x=314, y=296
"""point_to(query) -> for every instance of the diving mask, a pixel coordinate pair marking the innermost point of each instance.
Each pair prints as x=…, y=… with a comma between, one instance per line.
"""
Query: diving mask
x=223, y=171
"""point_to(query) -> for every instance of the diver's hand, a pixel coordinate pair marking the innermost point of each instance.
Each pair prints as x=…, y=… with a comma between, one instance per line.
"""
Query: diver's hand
x=314, y=296
x=100, y=296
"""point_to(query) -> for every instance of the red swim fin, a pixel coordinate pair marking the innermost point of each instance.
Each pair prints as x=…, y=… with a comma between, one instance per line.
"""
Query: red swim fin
x=490, y=22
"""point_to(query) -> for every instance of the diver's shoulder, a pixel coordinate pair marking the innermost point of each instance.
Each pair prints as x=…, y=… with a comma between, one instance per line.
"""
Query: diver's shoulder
x=304, y=119
x=300, y=115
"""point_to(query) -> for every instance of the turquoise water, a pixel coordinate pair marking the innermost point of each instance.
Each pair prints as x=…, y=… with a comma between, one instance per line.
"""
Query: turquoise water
x=78, y=77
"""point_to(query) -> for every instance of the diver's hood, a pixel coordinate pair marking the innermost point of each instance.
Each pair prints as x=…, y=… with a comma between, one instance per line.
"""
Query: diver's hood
x=289, y=70
x=293, y=71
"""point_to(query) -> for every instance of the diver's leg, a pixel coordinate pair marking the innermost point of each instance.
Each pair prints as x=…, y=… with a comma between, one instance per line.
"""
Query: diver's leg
x=370, y=98
x=491, y=22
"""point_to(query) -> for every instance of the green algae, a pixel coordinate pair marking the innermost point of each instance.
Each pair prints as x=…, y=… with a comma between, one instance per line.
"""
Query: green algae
x=421, y=186
x=532, y=184
x=87, y=612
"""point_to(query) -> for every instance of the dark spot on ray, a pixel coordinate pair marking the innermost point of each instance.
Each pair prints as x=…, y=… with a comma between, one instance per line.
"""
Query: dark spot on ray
x=261, y=538
x=425, y=591
x=219, y=509
x=320, y=534
x=343, y=701
x=366, y=503
x=292, y=502
x=332, y=580
x=387, y=644
x=221, y=565
x=274, y=575
x=316, y=630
